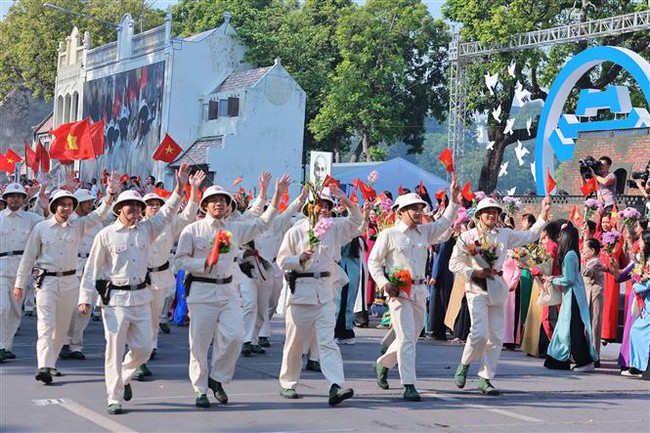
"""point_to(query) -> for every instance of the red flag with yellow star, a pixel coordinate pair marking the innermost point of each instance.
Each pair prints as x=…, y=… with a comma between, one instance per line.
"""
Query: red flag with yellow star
x=11, y=158
x=72, y=142
x=168, y=150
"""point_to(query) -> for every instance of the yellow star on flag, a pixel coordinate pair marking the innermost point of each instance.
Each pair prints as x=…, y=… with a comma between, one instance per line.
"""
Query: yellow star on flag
x=10, y=161
x=169, y=149
x=72, y=142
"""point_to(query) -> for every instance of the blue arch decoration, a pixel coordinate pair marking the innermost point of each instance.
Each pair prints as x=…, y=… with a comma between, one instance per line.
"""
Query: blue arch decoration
x=633, y=63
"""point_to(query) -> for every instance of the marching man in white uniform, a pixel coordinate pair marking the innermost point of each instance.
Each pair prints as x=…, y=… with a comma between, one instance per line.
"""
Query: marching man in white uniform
x=486, y=290
x=316, y=278
x=117, y=268
x=16, y=225
x=404, y=247
x=163, y=282
x=73, y=347
x=52, y=253
x=214, y=304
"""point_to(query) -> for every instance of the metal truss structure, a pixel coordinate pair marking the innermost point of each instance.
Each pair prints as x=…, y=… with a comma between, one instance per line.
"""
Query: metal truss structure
x=464, y=53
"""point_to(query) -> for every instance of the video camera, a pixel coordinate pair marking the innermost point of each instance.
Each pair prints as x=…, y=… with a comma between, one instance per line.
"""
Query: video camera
x=643, y=175
x=588, y=164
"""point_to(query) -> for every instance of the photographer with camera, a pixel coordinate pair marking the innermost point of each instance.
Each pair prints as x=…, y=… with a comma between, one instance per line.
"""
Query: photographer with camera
x=589, y=168
x=644, y=187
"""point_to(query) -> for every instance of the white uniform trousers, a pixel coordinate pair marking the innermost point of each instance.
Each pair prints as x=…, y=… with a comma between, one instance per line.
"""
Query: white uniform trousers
x=485, y=335
x=125, y=326
x=29, y=295
x=250, y=288
x=310, y=346
x=78, y=324
x=10, y=313
x=407, y=317
x=220, y=324
x=267, y=302
x=55, y=302
x=157, y=306
x=300, y=322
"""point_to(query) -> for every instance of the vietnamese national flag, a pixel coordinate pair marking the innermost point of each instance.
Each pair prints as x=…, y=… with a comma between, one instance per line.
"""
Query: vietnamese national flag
x=30, y=158
x=421, y=189
x=42, y=157
x=590, y=186
x=467, y=192
x=400, y=189
x=550, y=182
x=11, y=159
x=162, y=192
x=575, y=216
x=97, y=134
x=3, y=163
x=284, y=201
x=213, y=257
x=447, y=160
x=73, y=142
x=329, y=181
x=237, y=181
x=366, y=190
x=440, y=195
x=354, y=198
x=614, y=219
x=168, y=150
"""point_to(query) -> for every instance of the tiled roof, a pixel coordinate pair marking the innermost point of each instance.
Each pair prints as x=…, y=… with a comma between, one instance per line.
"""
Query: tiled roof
x=196, y=154
x=45, y=126
x=243, y=79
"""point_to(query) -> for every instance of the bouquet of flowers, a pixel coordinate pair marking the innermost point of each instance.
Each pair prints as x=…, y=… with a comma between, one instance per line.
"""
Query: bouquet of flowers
x=484, y=252
x=591, y=206
x=242, y=198
x=385, y=215
x=373, y=177
x=534, y=256
x=220, y=245
x=630, y=216
x=480, y=195
x=641, y=271
x=401, y=278
x=313, y=215
x=610, y=239
x=511, y=205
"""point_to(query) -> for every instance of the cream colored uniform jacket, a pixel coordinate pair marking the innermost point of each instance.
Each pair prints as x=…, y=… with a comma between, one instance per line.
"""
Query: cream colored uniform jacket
x=15, y=228
x=160, y=250
x=84, y=246
x=119, y=254
x=327, y=254
x=400, y=248
x=196, y=242
x=53, y=246
x=462, y=263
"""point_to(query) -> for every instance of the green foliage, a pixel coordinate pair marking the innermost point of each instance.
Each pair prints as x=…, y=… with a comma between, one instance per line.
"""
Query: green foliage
x=30, y=34
x=390, y=77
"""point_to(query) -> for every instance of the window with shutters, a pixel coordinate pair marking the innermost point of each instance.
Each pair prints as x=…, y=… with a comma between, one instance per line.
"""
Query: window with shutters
x=233, y=107
x=213, y=110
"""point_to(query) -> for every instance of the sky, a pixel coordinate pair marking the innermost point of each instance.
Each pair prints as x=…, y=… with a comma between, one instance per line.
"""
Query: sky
x=433, y=5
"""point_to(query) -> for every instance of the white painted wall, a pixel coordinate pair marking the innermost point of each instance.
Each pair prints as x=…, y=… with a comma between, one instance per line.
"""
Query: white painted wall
x=269, y=133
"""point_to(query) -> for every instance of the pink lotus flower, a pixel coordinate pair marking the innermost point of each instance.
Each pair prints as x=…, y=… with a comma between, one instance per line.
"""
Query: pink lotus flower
x=322, y=226
x=373, y=177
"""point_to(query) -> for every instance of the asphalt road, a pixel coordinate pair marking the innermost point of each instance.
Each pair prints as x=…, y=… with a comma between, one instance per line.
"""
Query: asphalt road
x=533, y=398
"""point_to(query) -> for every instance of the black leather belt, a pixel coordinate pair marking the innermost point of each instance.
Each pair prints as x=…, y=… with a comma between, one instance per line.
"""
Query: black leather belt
x=11, y=253
x=160, y=268
x=59, y=274
x=83, y=255
x=140, y=286
x=312, y=275
x=226, y=280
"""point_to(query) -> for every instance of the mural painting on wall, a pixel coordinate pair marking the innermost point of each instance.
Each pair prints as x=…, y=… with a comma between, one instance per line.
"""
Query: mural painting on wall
x=130, y=103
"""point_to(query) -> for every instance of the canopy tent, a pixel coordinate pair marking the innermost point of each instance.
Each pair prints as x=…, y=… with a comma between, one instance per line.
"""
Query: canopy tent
x=392, y=173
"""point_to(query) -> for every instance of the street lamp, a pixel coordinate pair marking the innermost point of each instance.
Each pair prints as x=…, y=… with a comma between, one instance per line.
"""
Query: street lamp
x=79, y=14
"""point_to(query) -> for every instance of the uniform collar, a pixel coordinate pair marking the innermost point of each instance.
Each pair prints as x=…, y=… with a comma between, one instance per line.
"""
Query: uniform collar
x=403, y=227
x=119, y=226
x=53, y=222
x=212, y=221
x=18, y=213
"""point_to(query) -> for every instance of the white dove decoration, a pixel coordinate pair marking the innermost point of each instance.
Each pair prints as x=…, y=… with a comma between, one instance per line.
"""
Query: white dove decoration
x=504, y=169
x=491, y=81
x=509, y=124
x=512, y=190
x=529, y=123
x=511, y=69
x=520, y=151
x=490, y=145
x=521, y=94
x=497, y=114
x=532, y=170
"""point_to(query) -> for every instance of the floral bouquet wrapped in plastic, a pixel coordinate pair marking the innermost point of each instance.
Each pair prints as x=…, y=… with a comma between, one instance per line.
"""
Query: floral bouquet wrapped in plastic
x=401, y=278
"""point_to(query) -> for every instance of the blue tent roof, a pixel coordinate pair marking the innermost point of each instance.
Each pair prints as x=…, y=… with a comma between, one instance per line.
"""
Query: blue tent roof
x=391, y=174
